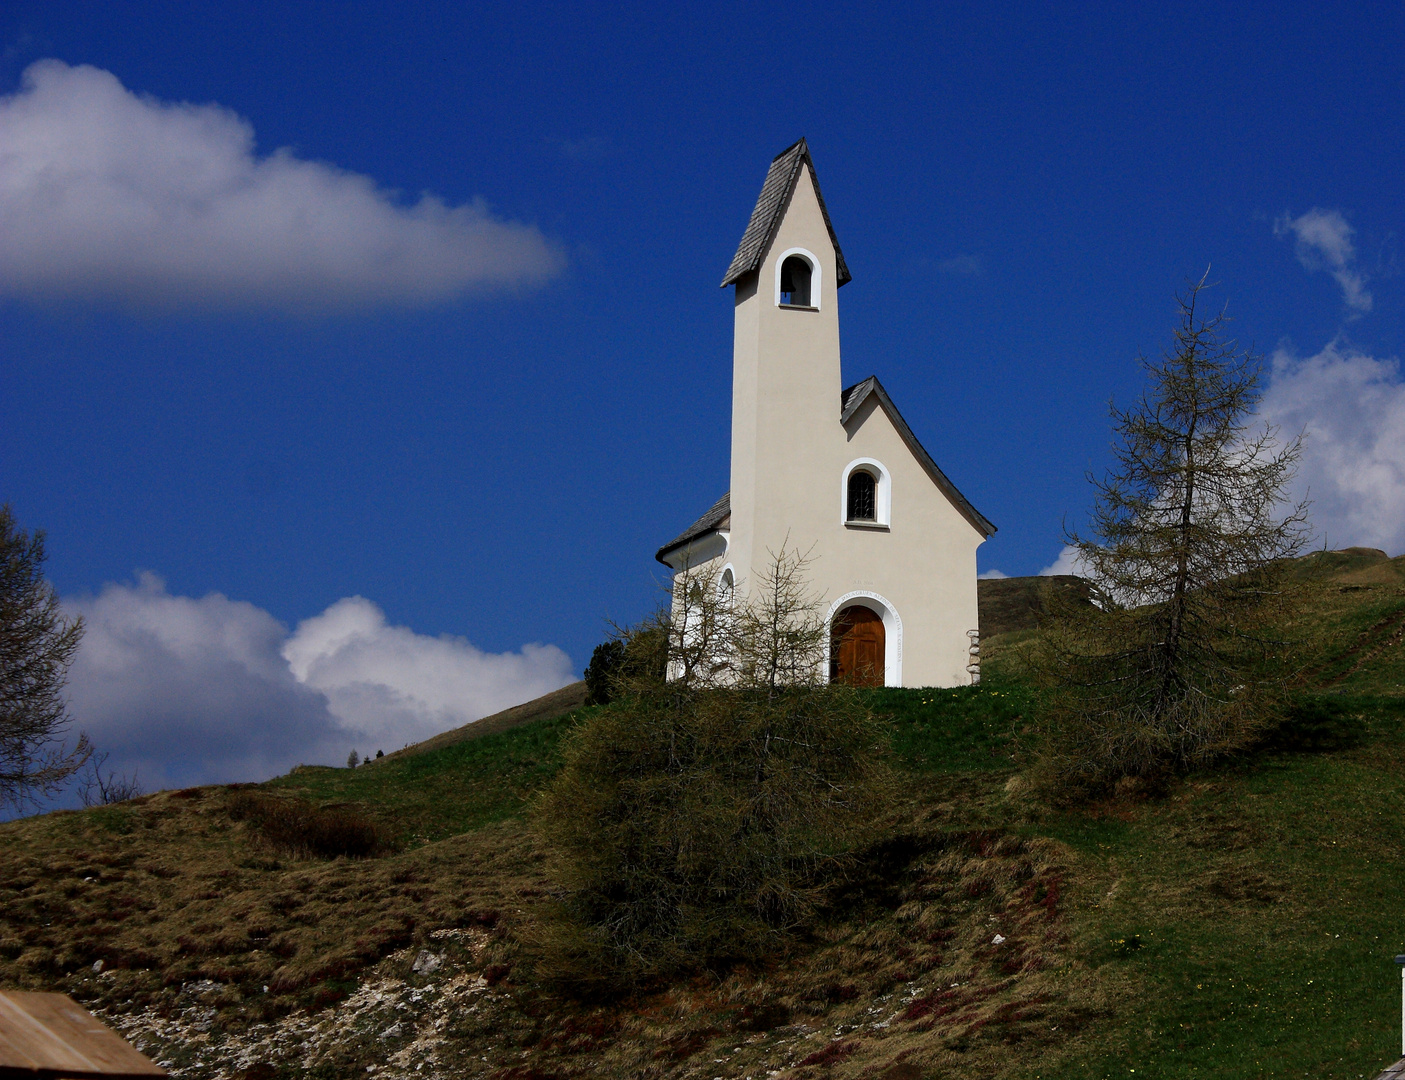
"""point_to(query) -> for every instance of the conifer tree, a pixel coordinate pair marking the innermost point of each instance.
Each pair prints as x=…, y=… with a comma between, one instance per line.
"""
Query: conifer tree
x=700, y=817
x=1179, y=659
x=37, y=644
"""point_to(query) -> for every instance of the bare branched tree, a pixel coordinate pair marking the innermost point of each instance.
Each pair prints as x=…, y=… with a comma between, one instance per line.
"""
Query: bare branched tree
x=779, y=635
x=1174, y=664
x=700, y=627
x=36, y=647
x=768, y=637
x=99, y=788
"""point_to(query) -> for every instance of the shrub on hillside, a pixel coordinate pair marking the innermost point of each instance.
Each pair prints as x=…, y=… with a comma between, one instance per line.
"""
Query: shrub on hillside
x=626, y=658
x=697, y=820
x=303, y=829
x=696, y=826
x=603, y=669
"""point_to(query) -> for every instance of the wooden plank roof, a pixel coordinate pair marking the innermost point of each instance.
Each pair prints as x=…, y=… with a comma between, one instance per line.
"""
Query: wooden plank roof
x=48, y=1036
x=718, y=517
x=771, y=204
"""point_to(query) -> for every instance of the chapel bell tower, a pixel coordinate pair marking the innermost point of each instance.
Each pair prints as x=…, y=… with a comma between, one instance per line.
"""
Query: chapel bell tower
x=785, y=355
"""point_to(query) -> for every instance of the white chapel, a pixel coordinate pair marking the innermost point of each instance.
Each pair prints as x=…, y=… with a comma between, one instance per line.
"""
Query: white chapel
x=831, y=470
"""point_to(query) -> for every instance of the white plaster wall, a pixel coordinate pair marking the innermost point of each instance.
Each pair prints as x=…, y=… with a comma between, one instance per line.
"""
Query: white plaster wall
x=925, y=563
x=789, y=451
x=785, y=390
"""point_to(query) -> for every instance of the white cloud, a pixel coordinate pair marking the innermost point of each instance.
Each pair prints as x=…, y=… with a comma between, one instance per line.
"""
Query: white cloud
x=189, y=691
x=1352, y=407
x=110, y=194
x=991, y=575
x=1323, y=240
x=192, y=691
x=397, y=686
x=1068, y=562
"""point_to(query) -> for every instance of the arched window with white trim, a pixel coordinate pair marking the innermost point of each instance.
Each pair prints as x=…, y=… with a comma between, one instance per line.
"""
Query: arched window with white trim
x=798, y=280
x=866, y=495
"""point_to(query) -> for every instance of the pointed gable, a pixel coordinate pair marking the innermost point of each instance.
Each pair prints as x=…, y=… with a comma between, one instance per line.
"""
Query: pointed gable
x=771, y=205
x=856, y=395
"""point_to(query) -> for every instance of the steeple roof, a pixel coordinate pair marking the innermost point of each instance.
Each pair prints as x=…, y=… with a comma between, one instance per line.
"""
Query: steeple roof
x=771, y=205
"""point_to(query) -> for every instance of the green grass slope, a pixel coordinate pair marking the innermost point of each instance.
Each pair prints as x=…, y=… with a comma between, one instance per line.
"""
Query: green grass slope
x=427, y=793
x=550, y=706
x=1242, y=926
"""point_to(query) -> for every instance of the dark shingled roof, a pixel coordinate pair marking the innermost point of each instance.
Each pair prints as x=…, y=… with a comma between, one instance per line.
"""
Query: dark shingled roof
x=718, y=517
x=856, y=395
x=771, y=205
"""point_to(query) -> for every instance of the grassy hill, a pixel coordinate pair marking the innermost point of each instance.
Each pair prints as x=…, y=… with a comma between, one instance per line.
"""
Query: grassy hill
x=1242, y=926
x=1010, y=604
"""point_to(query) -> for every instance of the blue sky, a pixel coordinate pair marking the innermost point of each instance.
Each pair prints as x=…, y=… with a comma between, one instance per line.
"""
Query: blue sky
x=493, y=374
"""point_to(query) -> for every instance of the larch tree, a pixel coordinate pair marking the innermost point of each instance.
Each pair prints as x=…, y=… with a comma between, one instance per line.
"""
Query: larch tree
x=37, y=644
x=1180, y=657
x=701, y=816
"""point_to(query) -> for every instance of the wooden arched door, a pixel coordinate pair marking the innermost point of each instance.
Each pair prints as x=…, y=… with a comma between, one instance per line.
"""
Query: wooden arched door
x=857, y=647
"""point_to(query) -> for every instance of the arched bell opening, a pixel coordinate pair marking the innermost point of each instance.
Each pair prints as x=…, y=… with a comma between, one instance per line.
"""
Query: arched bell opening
x=795, y=281
x=798, y=279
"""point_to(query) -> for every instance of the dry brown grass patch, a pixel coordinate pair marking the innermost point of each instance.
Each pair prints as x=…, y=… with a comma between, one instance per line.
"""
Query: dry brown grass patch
x=298, y=827
x=175, y=889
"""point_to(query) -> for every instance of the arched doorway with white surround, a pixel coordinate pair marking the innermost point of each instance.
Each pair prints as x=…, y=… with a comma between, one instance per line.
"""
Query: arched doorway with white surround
x=861, y=624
